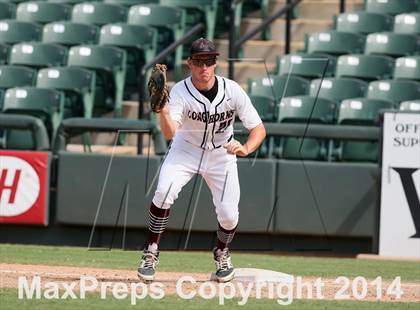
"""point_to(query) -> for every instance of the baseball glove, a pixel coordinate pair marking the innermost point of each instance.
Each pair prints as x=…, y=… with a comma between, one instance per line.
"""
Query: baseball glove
x=158, y=88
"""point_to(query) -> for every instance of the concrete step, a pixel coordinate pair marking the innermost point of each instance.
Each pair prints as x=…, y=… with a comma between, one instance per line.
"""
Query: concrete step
x=243, y=70
x=300, y=26
x=256, y=49
x=315, y=9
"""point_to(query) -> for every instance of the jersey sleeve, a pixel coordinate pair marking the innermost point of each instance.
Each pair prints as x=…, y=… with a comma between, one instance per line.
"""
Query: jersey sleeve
x=246, y=111
x=176, y=105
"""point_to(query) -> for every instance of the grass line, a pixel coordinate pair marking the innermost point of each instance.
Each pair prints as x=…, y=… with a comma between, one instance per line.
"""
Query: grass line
x=203, y=262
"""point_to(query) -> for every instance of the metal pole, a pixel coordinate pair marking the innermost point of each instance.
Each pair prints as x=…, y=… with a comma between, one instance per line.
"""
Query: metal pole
x=232, y=38
x=287, y=34
x=342, y=6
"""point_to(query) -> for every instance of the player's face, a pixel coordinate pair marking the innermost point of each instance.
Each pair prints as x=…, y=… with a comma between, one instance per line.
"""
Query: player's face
x=202, y=67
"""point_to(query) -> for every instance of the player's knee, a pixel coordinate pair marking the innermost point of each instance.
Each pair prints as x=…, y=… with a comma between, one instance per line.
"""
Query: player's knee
x=228, y=218
x=165, y=197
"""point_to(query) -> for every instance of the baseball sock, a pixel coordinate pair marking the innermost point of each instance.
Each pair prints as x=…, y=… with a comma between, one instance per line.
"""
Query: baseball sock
x=158, y=219
x=224, y=237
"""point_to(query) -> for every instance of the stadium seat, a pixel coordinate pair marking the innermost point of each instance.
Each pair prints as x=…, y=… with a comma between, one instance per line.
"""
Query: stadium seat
x=265, y=106
x=47, y=104
x=4, y=53
x=198, y=11
x=13, y=31
x=1, y=109
x=365, y=112
x=411, y=105
x=394, y=90
x=365, y=67
x=338, y=89
x=392, y=7
x=364, y=22
x=407, y=68
x=72, y=2
x=129, y=3
x=307, y=65
x=109, y=64
x=69, y=33
x=307, y=110
x=170, y=23
x=38, y=55
x=7, y=10
x=16, y=76
x=42, y=12
x=274, y=87
x=140, y=43
x=407, y=23
x=78, y=85
x=335, y=43
x=98, y=13
x=392, y=44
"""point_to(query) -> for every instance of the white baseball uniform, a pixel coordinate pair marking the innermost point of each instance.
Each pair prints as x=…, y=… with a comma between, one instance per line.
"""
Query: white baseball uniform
x=197, y=146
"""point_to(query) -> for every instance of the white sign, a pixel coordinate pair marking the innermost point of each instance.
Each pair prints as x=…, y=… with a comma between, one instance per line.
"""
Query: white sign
x=399, y=233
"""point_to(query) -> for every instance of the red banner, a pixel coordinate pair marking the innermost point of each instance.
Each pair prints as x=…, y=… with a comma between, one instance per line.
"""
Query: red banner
x=24, y=187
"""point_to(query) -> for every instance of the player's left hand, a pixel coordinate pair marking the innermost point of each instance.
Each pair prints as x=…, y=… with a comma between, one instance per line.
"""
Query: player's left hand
x=235, y=147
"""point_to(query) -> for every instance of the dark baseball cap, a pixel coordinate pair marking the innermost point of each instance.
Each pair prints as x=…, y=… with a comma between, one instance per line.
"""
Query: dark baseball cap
x=203, y=47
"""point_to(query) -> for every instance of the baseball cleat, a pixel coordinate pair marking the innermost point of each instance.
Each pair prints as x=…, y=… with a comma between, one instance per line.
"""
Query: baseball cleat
x=224, y=268
x=147, y=266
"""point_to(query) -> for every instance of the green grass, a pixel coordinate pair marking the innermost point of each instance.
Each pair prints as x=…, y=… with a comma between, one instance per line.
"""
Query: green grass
x=202, y=262
x=9, y=300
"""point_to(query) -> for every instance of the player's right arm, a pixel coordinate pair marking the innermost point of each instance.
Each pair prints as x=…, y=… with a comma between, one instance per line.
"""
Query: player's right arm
x=172, y=114
x=167, y=124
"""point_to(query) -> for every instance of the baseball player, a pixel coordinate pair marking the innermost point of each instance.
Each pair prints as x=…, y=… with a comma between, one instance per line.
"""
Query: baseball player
x=199, y=120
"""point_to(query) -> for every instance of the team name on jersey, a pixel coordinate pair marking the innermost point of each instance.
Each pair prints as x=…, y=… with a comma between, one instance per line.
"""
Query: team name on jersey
x=208, y=118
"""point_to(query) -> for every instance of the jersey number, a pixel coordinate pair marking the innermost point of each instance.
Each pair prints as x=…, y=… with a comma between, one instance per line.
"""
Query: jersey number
x=224, y=125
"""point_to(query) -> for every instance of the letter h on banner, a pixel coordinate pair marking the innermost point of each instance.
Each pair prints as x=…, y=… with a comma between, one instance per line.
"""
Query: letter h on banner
x=12, y=188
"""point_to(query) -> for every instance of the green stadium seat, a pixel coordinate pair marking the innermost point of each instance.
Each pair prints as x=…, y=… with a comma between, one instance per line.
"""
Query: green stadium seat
x=407, y=23
x=392, y=7
x=71, y=2
x=1, y=108
x=42, y=12
x=407, y=68
x=38, y=55
x=170, y=23
x=69, y=33
x=198, y=11
x=140, y=43
x=394, y=90
x=109, y=64
x=364, y=22
x=362, y=112
x=307, y=65
x=307, y=110
x=98, y=13
x=392, y=44
x=7, y=10
x=13, y=31
x=78, y=85
x=277, y=87
x=410, y=105
x=4, y=53
x=16, y=76
x=47, y=104
x=365, y=67
x=335, y=42
x=265, y=106
x=338, y=89
x=129, y=3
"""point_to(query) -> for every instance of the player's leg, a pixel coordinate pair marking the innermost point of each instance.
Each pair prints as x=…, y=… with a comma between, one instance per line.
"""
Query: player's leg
x=224, y=185
x=174, y=174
